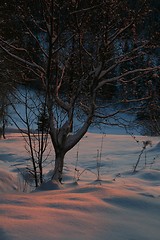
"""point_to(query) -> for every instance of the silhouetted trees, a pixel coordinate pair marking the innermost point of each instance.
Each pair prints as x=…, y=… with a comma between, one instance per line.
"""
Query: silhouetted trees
x=76, y=51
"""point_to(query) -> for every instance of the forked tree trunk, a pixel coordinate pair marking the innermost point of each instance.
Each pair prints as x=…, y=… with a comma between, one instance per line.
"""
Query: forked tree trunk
x=63, y=141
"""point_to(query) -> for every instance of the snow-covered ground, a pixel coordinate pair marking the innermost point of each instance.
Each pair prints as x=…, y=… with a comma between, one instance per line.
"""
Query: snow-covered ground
x=122, y=206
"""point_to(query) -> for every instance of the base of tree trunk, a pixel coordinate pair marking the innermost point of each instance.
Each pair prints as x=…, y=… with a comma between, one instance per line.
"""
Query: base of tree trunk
x=49, y=185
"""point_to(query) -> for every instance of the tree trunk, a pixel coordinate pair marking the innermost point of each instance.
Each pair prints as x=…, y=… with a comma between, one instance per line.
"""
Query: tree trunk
x=3, y=128
x=58, y=169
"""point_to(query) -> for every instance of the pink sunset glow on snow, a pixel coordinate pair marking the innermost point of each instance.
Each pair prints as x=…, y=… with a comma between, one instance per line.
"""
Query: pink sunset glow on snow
x=121, y=206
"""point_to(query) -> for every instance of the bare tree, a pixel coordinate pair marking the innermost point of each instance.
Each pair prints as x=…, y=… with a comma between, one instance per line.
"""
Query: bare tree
x=34, y=129
x=149, y=115
x=80, y=49
x=5, y=87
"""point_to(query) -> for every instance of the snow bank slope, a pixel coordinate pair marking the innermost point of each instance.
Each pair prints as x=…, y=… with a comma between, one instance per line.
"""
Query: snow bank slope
x=95, y=212
x=8, y=183
x=123, y=206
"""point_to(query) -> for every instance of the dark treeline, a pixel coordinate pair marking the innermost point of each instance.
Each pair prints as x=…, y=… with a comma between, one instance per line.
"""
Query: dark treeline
x=19, y=17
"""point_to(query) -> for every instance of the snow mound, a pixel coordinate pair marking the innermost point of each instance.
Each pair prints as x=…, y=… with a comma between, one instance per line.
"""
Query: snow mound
x=150, y=176
x=134, y=203
x=155, y=148
x=49, y=185
x=7, y=182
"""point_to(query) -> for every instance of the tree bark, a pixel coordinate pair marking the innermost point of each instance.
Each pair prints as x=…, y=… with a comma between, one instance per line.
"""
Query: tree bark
x=59, y=163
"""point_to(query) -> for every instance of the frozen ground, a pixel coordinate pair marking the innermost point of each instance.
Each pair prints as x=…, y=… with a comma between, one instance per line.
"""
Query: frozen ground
x=122, y=206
